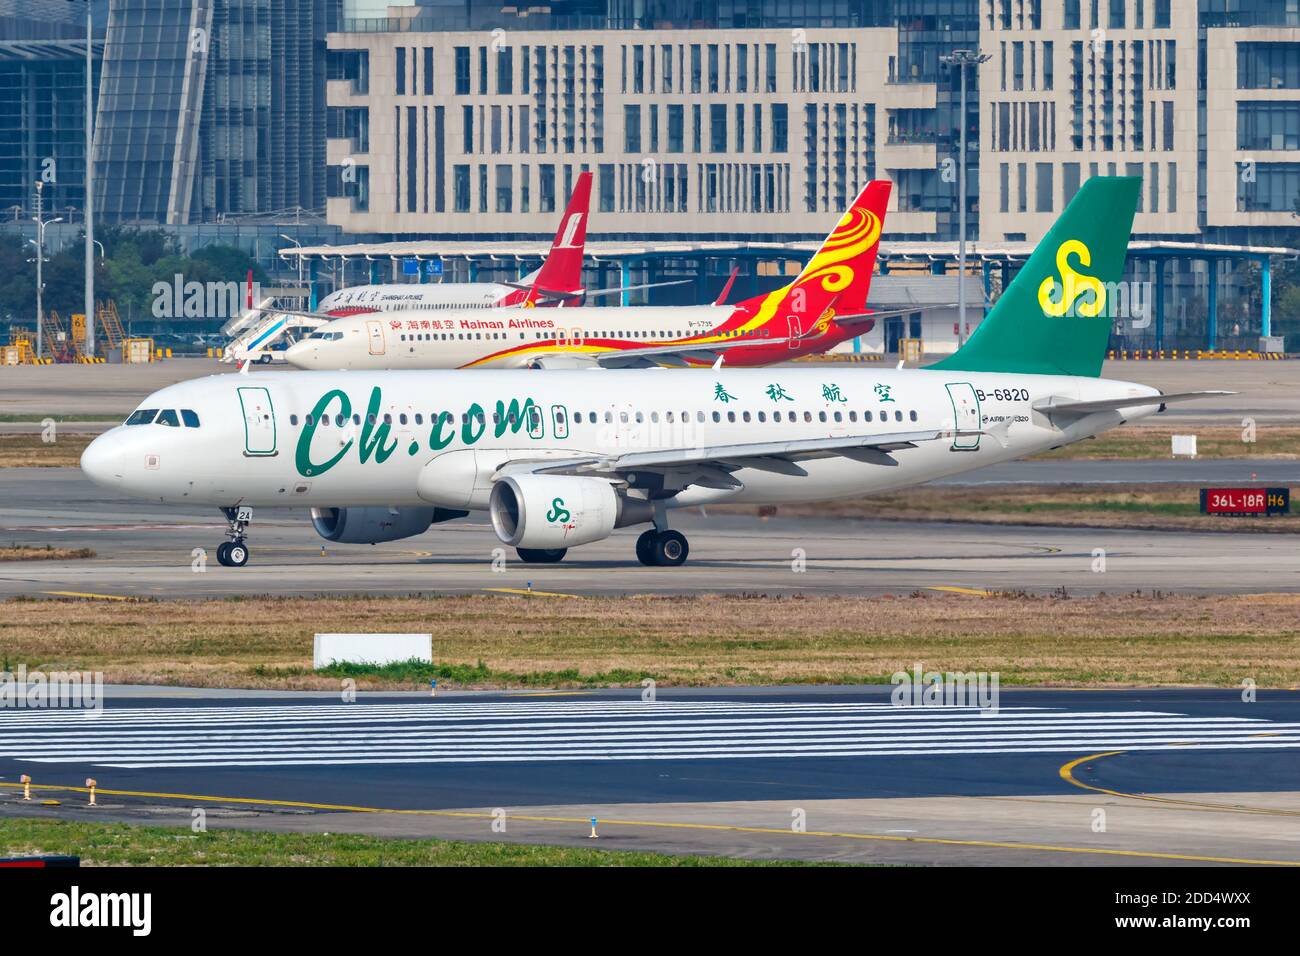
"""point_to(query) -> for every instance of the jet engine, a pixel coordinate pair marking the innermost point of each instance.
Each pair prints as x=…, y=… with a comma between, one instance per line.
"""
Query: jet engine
x=372, y=525
x=560, y=511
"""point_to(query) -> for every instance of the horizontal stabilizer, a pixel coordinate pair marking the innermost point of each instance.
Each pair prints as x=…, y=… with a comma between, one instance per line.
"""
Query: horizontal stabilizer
x=1055, y=407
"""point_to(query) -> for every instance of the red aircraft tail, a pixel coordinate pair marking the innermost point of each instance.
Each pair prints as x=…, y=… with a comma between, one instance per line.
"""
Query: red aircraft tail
x=562, y=271
x=837, y=277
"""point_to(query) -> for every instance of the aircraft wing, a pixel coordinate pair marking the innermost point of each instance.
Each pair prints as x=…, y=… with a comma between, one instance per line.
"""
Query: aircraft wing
x=615, y=290
x=559, y=295
x=675, y=354
x=862, y=318
x=323, y=316
x=1059, y=407
x=649, y=356
x=711, y=465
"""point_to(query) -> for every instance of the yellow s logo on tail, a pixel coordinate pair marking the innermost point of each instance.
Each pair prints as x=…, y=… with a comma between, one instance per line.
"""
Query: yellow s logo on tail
x=1056, y=299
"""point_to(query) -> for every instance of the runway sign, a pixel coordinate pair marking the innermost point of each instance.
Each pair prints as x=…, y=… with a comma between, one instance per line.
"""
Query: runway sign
x=1245, y=501
x=40, y=862
x=371, y=649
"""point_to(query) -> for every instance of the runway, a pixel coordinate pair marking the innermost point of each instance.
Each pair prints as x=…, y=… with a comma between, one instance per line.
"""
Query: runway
x=144, y=550
x=1186, y=775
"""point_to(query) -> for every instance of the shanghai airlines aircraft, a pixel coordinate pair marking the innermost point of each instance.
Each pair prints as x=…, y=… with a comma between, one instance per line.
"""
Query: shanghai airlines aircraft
x=559, y=280
x=824, y=306
x=560, y=460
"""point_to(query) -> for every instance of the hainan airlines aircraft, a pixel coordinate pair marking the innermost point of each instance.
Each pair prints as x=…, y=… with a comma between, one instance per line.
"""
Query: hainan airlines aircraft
x=774, y=327
x=561, y=460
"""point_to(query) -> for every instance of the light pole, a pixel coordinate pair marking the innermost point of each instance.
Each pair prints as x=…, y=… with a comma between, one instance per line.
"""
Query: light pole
x=962, y=59
x=90, y=187
x=40, y=279
x=297, y=245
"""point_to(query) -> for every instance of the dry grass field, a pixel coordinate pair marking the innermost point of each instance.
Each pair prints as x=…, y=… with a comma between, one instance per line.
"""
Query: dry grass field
x=23, y=552
x=1212, y=441
x=521, y=642
x=27, y=450
x=1160, y=507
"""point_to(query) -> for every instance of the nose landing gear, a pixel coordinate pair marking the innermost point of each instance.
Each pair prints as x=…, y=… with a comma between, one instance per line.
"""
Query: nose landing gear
x=234, y=553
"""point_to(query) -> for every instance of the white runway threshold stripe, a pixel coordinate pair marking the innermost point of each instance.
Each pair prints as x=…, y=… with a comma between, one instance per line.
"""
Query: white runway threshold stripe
x=536, y=732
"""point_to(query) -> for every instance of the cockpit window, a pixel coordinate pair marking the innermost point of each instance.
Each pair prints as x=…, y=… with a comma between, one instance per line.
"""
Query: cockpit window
x=190, y=418
x=142, y=416
x=168, y=417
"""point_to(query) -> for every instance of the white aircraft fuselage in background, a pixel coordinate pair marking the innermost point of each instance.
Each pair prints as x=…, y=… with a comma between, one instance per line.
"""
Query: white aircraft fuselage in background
x=404, y=297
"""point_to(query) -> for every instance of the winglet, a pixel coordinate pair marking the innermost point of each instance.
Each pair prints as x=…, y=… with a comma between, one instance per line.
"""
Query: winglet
x=722, y=296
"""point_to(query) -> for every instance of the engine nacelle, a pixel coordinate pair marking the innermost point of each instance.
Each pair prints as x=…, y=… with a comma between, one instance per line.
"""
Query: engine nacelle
x=559, y=511
x=373, y=525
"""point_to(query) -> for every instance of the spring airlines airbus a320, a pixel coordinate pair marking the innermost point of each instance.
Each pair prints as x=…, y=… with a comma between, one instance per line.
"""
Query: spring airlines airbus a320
x=561, y=459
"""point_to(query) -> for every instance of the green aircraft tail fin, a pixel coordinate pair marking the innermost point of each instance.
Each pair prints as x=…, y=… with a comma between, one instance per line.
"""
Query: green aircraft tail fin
x=1055, y=317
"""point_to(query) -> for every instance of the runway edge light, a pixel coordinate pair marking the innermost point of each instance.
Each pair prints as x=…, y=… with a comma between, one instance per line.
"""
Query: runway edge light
x=593, y=835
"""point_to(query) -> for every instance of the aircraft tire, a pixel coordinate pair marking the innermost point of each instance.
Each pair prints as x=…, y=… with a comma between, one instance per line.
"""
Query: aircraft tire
x=541, y=555
x=670, y=549
x=645, y=546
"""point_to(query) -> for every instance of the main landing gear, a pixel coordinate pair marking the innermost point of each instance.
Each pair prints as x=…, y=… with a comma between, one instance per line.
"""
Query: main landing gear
x=234, y=553
x=660, y=547
x=664, y=549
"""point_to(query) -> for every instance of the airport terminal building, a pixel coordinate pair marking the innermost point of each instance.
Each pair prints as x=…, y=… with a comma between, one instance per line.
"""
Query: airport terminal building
x=719, y=134
x=706, y=121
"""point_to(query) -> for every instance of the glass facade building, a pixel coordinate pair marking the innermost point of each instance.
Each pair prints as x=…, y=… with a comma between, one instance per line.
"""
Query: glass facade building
x=42, y=105
x=212, y=109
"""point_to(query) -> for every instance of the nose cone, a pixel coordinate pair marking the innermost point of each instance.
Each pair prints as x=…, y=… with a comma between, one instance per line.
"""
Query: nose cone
x=304, y=354
x=102, y=461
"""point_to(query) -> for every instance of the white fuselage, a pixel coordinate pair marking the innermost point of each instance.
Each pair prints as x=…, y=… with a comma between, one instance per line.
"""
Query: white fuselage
x=387, y=442
x=404, y=297
x=451, y=338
